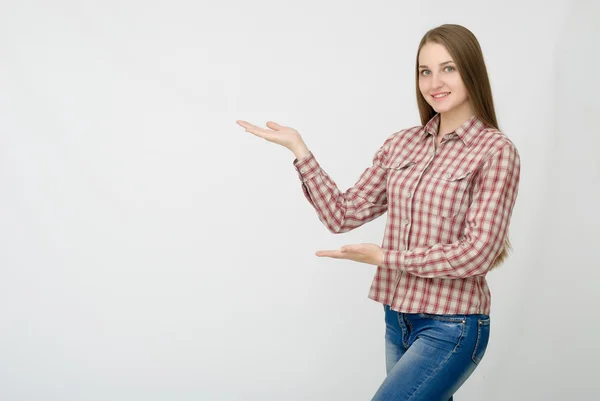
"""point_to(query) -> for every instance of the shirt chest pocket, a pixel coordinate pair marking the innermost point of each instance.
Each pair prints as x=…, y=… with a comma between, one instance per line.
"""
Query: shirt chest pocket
x=397, y=169
x=445, y=192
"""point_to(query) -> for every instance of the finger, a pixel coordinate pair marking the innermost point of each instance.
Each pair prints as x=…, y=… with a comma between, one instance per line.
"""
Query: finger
x=273, y=125
x=260, y=132
x=330, y=254
x=247, y=125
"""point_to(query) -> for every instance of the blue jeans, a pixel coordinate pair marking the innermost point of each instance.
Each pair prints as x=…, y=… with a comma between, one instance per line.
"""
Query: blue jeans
x=428, y=357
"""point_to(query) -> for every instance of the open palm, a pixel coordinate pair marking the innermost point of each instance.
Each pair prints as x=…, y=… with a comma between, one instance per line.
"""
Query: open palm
x=365, y=253
x=284, y=136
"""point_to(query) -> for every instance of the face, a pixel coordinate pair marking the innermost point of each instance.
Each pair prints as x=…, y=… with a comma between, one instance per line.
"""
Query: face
x=438, y=76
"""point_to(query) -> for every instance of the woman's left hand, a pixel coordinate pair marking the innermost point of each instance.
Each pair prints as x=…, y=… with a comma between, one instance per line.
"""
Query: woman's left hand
x=365, y=253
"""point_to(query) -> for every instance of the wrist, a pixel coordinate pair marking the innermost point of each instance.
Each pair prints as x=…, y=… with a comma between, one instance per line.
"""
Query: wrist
x=300, y=150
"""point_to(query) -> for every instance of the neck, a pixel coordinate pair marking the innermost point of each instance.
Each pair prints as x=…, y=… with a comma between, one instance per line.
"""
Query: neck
x=451, y=120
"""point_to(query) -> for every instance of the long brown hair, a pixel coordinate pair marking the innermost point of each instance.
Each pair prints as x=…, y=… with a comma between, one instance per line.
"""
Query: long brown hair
x=466, y=52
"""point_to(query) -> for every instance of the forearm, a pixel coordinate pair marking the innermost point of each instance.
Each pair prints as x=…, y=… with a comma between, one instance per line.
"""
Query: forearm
x=343, y=211
x=460, y=259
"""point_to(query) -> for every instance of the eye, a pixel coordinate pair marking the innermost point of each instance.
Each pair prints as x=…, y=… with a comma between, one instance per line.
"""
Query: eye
x=451, y=68
x=423, y=72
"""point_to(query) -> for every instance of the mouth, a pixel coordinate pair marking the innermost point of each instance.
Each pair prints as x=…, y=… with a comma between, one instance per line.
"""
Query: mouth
x=440, y=96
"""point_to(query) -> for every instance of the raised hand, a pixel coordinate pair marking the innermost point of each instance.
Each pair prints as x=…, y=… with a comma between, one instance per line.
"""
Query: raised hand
x=279, y=134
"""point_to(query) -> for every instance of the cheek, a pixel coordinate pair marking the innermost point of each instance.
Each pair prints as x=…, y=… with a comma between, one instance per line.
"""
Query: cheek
x=423, y=88
x=459, y=86
x=462, y=92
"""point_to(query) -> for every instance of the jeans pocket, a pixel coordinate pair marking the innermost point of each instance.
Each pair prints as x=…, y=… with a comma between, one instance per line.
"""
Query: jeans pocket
x=483, y=336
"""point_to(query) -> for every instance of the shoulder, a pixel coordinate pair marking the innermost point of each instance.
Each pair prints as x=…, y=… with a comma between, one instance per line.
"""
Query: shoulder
x=394, y=143
x=497, y=152
x=403, y=136
x=495, y=143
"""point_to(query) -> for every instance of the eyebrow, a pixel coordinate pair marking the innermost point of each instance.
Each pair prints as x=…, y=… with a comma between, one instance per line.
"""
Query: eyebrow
x=445, y=62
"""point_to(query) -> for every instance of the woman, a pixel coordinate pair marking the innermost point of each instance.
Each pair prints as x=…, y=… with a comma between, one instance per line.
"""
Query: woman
x=449, y=187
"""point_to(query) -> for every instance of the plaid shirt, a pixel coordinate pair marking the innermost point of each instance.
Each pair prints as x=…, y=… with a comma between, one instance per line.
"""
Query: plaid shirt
x=448, y=213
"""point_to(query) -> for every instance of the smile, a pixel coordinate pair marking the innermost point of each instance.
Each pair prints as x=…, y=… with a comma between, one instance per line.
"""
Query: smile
x=440, y=97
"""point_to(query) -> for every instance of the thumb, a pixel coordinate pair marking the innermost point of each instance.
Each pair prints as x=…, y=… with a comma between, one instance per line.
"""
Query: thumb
x=273, y=125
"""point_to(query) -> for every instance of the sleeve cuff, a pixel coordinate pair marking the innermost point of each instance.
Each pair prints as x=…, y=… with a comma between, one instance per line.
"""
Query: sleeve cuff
x=393, y=259
x=307, y=167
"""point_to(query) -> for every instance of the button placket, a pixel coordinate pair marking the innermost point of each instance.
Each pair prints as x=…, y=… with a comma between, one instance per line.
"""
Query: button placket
x=406, y=221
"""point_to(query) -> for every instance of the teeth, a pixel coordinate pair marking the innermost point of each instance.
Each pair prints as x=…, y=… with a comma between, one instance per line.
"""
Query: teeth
x=442, y=95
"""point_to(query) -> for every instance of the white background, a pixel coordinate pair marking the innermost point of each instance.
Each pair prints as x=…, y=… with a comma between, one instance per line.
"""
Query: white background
x=151, y=249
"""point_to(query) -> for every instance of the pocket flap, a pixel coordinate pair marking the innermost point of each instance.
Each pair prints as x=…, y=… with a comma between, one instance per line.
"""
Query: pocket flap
x=398, y=164
x=452, y=174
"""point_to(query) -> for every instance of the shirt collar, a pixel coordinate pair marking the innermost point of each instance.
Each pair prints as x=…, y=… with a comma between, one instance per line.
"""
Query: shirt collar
x=467, y=132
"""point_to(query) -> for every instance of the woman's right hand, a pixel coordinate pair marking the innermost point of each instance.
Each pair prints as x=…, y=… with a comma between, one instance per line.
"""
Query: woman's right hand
x=284, y=136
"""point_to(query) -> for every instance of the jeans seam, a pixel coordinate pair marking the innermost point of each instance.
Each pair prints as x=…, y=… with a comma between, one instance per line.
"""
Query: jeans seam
x=462, y=334
x=479, y=324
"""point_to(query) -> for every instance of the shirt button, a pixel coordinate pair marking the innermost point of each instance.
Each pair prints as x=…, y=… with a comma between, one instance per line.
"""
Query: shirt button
x=397, y=165
x=408, y=194
x=448, y=175
x=406, y=222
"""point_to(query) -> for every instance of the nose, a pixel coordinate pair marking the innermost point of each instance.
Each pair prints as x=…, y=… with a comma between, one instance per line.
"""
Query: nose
x=436, y=82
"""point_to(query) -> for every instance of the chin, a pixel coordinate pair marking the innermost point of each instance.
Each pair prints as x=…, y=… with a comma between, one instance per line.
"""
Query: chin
x=438, y=109
x=442, y=109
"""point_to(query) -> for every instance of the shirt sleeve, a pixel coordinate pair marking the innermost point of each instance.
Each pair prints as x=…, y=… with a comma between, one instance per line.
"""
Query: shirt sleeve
x=486, y=226
x=344, y=211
